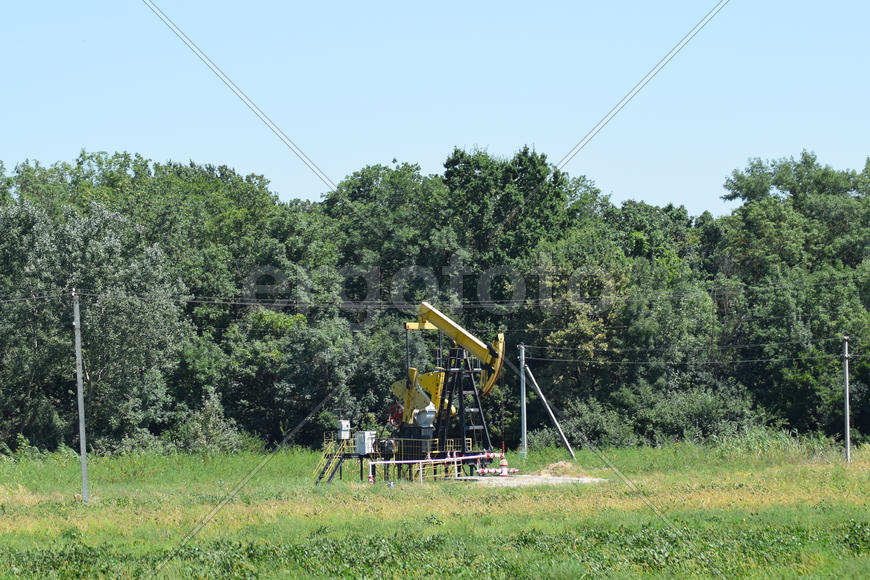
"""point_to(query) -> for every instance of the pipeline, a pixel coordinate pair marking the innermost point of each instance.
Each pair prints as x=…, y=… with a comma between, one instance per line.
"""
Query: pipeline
x=502, y=470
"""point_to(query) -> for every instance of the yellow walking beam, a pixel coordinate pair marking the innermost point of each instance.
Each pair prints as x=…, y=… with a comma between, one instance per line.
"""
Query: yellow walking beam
x=491, y=356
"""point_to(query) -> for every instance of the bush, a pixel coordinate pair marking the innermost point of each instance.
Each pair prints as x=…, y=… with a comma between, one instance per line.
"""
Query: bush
x=587, y=422
x=646, y=415
x=23, y=450
x=138, y=441
x=206, y=430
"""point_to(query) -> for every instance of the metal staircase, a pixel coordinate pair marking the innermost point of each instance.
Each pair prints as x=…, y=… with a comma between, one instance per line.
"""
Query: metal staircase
x=330, y=462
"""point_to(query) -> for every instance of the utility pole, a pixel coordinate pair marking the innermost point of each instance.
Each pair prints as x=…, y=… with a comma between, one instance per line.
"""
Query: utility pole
x=524, y=446
x=712, y=323
x=77, y=326
x=846, y=395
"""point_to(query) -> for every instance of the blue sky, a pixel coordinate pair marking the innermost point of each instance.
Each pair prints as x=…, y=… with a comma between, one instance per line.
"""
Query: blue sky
x=354, y=85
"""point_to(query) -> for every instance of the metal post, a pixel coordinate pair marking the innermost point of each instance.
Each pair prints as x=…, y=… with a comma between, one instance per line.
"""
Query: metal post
x=83, y=448
x=463, y=363
x=523, y=442
x=712, y=323
x=407, y=353
x=846, y=396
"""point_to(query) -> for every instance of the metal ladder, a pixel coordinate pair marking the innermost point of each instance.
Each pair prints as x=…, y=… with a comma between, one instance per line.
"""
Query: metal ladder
x=333, y=457
x=475, y=422
x=472, y=423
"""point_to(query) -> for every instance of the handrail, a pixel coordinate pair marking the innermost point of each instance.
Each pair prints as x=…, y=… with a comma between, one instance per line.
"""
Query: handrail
x=328, y=451
x=458, y=460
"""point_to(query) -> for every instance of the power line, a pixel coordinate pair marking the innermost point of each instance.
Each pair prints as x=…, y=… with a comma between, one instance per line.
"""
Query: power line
x=10, y=300
x=723, y=347
x=383, y=306
x=235, y=300
x=242, y=96
x=670, y=363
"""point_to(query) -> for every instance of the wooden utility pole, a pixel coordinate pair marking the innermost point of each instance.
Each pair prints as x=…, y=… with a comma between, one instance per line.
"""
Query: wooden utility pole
x=83, y=448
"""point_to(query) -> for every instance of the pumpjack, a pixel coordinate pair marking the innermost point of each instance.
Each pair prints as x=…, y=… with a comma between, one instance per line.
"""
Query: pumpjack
x=439, y=421
x=444, y=404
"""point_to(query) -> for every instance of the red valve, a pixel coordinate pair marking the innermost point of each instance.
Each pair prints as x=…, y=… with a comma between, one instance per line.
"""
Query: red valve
x=394, y=414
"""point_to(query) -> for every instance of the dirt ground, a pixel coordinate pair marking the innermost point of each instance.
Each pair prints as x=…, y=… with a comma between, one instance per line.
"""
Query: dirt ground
x=560, y=473
x=524, y=480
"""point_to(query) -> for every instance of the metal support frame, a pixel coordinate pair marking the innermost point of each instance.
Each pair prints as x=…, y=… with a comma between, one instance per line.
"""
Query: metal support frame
x=459, y=365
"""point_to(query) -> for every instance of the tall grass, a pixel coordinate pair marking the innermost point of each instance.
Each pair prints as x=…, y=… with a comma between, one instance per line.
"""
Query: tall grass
x=760, y=503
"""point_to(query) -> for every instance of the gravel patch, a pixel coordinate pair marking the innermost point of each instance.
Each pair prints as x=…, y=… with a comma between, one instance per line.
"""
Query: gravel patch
x=525, y=480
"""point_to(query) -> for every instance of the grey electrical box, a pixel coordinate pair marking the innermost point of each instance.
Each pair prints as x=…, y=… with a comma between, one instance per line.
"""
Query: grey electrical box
x=343, y=429
x=364, y=442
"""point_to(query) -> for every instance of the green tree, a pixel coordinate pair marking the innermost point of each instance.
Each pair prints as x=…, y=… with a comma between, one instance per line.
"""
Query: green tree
x=34, y=330
x=279, y=369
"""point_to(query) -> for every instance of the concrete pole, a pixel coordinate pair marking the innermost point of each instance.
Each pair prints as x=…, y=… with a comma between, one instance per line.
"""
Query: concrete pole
x=83, y=447
x=846, y=396
x=523, y=441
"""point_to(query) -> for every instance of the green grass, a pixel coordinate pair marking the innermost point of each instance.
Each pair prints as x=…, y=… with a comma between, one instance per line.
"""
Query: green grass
x=756, y=506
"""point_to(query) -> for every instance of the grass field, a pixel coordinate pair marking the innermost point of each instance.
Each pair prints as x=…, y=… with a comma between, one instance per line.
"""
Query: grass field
x=767, y=506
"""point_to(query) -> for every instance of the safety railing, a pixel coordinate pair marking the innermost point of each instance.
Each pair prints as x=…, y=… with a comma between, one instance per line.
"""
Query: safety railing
x=328, y=451
x=421, y=469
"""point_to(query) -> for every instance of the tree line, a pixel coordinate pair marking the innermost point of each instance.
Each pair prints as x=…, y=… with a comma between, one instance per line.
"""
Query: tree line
x=217, y=316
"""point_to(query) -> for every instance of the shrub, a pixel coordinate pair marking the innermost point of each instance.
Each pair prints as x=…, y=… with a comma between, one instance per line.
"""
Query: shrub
x=646, y=415
x=206, y=430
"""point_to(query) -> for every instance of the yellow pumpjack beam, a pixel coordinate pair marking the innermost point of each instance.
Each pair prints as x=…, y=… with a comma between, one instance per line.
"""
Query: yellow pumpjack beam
x=491, y=356
x=420, y=389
